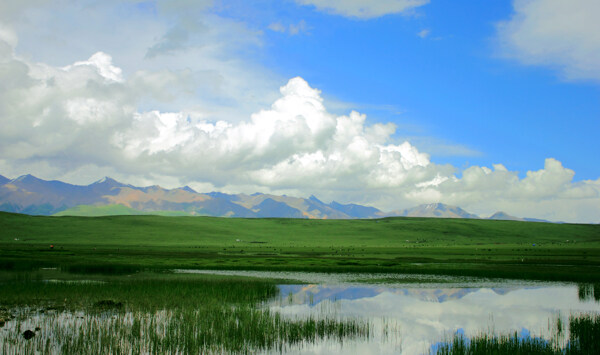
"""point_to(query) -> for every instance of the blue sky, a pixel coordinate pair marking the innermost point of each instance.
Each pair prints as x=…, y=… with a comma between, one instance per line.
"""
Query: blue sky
x=452, y=86
x=487, y=105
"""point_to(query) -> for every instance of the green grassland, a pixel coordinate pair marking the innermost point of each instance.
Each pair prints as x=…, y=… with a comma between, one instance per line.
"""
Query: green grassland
x=113, y=210
x=568, y=252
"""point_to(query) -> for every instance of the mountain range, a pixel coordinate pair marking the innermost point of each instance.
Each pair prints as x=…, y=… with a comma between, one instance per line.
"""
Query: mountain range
x=30, y=195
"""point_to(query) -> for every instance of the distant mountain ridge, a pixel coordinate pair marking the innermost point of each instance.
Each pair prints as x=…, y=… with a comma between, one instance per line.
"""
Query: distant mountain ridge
x=30, y=195
x=506, y=217
x=438, y=210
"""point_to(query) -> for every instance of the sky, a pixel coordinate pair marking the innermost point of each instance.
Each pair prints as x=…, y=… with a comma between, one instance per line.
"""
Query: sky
x=488, y=105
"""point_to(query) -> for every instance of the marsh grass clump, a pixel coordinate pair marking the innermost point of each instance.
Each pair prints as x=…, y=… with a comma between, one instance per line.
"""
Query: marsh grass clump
x=157, y=314
x=584, y=339
x=584, y=335
x=141, y=291
x=490, y=344
x=241, y=330
x=587, y=291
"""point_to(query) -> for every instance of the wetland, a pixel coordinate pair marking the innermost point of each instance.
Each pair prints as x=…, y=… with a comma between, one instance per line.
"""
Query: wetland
x=247, y=312
x=179, y=285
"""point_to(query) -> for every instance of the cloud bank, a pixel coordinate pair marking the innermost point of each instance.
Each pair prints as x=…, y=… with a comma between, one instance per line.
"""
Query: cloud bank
x=555, y=33
x=83, y=120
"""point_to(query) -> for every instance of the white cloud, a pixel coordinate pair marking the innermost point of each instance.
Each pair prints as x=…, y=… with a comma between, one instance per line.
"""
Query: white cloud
x=364, y=9
x=68, y=121
x=11, y=10
x=222, y=78
x=277, y=27
x=296, y=143
x=292, y=29
x=548, y=193
x=187, y=16
x=8, y=37
x=424, y=33
x=555, y=33
x=298, y=28
x=103, y=64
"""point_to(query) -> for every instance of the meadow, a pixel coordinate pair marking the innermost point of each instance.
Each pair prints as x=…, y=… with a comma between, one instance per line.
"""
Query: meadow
x=483, y=248
x=105, y=284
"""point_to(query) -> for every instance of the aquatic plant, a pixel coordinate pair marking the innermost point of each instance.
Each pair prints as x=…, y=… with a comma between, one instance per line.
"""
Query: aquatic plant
x=584, y=338
x=238, y=330
x=155, y=314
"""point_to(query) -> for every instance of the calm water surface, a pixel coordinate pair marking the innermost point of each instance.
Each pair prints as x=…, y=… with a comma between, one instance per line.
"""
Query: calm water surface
x=411, y=318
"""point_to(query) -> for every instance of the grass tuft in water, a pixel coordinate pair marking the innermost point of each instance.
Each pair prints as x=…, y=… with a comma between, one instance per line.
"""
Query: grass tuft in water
x=584, y=334
x=156, y=314
x=584, y=338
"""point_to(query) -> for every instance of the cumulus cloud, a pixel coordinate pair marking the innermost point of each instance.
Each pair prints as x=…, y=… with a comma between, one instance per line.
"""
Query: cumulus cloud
x=555, y=33
x=223, y=78
x=294, y=144
x=102, y=63
x=63, y=122
x=364, y=9
x=545, y=193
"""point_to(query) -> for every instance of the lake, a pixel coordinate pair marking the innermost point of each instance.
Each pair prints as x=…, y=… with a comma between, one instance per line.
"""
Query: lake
x=411, y=314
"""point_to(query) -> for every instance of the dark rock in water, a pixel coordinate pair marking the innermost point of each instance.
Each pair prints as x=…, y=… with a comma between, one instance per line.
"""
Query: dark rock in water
x=108, y=304
x=2, y=322
x=28, y=334
x=37, y=329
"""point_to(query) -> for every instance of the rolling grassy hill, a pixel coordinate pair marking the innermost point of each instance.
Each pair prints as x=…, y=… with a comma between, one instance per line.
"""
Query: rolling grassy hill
x=416, y=245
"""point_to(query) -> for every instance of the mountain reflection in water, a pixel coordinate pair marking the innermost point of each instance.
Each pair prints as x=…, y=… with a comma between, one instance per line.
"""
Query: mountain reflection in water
x=411, y=317
x=420, y=317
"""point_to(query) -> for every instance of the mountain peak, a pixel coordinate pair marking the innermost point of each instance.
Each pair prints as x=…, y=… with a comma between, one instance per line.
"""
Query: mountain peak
x=105, y=180
x=107, y=184
x=439, y=210
x=355, y=211
x=438, y=206
x=26, y=177
x=188, y=189
x=504, y=216
x=315, y=199
x=37, y=196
